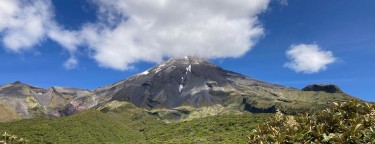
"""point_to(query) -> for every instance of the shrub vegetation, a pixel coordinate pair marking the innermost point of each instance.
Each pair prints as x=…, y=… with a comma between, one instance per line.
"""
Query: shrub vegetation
x=350, y=122
x=346, y=122
x=128, y=124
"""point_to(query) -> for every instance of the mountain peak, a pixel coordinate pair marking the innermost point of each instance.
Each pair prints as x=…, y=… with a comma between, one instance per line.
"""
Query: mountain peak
x=179, y=63
x=187, y=59
x=17, y=83
x=21, y=84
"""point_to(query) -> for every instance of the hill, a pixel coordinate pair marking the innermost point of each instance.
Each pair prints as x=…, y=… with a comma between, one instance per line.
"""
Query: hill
x=23, y=101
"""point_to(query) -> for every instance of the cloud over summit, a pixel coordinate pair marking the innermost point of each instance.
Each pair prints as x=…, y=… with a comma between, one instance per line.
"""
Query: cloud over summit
x=129, y=31
x=154, y=29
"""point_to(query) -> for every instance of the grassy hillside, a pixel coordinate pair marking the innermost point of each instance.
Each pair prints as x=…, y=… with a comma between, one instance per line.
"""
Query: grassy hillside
x=88, y=127
x=216, y=129
x=127, y=124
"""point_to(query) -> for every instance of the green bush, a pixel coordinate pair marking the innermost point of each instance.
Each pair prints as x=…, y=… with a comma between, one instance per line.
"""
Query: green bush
x=347, y=122
x=6, y=138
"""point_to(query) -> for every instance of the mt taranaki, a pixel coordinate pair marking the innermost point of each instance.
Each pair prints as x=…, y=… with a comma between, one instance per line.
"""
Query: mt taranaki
x=178, y=89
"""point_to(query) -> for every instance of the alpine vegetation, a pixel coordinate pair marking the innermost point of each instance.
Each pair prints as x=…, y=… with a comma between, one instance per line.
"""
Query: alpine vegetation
x=346, y=122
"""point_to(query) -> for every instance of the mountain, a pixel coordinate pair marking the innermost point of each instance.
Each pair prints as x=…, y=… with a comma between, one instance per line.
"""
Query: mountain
x=19, y=101
x=191, y=87
x=178, y=89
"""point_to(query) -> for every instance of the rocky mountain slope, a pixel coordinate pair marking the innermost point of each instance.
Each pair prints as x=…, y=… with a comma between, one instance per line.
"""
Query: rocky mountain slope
x=178, y=89
x=19, y=101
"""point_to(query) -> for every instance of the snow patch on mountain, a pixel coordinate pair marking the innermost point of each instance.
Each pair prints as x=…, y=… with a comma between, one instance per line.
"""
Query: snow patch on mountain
x=159, y=68
x=180, y=88
x=188, y=69
x=145, y=72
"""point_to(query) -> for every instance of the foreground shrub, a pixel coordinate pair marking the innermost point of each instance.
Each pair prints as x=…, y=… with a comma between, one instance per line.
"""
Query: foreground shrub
x=6, y=138
x=347, y=122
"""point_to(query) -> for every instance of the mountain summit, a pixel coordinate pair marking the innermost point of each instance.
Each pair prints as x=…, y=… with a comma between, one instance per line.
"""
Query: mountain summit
x=189, y=81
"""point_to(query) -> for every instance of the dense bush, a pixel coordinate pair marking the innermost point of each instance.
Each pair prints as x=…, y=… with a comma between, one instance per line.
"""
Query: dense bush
x=231, y=128
x=126, y=125
x=6, y=138
x=347, y=122
x=87, y=127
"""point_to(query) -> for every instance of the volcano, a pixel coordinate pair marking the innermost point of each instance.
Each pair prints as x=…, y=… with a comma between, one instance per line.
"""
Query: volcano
x=178, y=89
x=194, y=87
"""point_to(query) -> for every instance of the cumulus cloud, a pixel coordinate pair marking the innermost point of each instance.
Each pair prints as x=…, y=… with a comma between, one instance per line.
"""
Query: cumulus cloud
x=25, y=23
x=148, y=30
x=68, y=39
x=71, y=63
x=308, y=58
x=130, y=31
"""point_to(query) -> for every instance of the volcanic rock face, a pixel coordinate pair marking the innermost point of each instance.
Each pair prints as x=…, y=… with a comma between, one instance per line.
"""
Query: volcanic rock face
x=329, y=88
x=187, y=81
x=19, y=100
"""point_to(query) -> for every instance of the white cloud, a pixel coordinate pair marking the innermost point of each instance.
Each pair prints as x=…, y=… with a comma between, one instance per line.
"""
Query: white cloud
x=148, y=30
x=130, y=31
x=68, y=39
x=71, y=63
x=308, y=58
x=23, y=23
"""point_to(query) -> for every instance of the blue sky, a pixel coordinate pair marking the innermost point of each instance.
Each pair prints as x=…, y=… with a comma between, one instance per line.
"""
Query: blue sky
x=88, y=44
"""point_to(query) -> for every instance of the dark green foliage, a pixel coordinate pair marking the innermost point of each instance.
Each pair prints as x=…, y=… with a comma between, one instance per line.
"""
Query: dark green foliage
x=347, y=122
x=118, y=126
x=88, y=127
x=217, y=129
x=128, y=124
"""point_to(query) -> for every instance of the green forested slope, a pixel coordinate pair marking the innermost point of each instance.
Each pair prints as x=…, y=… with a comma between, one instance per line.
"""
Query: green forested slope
x=127, y=124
